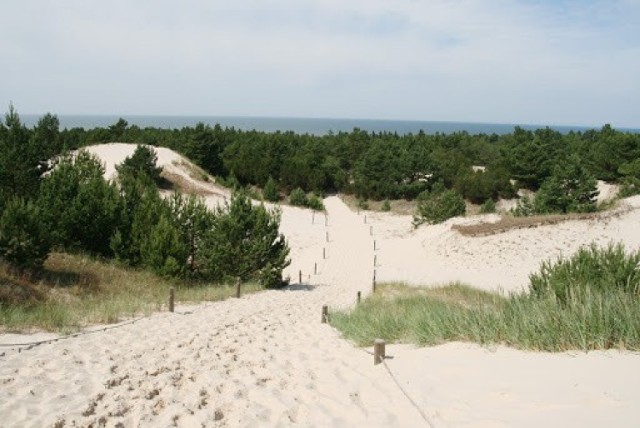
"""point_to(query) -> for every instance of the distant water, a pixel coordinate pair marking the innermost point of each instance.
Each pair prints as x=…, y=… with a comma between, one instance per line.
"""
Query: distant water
x=297, y=125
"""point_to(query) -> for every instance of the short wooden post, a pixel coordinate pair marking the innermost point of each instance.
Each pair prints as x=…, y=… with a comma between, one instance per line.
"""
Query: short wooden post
x=378, y=351
x=375, y=260
x=327, y=236
x=374, y=280
x=365, y=219
x=238, y=288
x=324, y=253
x=315, y=268
x=325, y=314
x=172, y=298
x=313, y=217
x=326, y=220
x=300, y=277
x=374, y=245
x=359, y=296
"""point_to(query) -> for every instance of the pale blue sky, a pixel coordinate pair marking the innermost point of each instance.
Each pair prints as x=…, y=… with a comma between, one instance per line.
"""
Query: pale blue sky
x=508, y=61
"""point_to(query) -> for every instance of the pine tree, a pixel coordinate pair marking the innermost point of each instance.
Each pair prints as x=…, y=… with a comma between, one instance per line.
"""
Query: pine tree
x=24, y=241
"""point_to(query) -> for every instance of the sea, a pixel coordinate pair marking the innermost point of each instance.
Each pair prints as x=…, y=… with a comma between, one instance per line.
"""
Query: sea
x=313, y=126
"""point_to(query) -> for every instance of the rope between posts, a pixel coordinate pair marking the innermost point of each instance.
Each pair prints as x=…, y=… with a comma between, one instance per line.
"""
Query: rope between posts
x=424, y=416
x=30, y=345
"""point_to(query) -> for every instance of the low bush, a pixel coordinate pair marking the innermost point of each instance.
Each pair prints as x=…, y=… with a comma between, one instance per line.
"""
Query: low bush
x=438, y=205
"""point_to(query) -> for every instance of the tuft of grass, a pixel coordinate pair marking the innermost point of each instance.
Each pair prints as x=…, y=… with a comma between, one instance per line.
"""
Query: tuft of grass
x=75, y=291
x=401, y=314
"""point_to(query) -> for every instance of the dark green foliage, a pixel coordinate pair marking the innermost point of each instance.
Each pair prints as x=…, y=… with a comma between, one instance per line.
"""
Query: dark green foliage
x=526, y=207
x=363, y=204
x=438, y=205
x=164, y=250
x=386, y=205
x=590, y=270
x=570, y=189
x=488, y=207
x=630, y=172
x=142, y=162
x=22, y=158
x=298, y=198
x=245, y=243
x=478, y=186
x=194, y=221
x=315, y=203
x=78, y=206
x=270, y=191
x=24, y=241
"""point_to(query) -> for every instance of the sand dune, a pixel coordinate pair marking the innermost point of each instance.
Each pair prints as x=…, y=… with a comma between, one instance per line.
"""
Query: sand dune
x=266, y=360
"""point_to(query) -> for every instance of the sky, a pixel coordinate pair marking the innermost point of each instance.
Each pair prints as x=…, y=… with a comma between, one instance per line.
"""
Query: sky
x=564, y=62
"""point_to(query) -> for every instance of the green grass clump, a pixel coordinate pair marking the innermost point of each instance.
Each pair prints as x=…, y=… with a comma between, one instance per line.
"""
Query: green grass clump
x=75, y=291
x=590, y=301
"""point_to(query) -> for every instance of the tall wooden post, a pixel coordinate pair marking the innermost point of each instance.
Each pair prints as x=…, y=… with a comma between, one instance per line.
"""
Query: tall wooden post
x=315, y=268
x=371, y=230
x=172, y=298
x=238, y=288
x=327, y=236
x=300, y=277
x=324, y=253
x=359, y=296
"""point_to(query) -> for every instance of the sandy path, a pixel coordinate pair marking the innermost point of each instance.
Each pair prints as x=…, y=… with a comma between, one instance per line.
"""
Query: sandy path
x=263, y=360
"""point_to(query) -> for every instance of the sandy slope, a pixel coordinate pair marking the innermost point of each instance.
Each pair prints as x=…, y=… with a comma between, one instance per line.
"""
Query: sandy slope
x=266, y=360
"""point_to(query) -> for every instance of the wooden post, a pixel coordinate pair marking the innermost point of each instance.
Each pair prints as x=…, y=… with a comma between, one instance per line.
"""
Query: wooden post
x=325, y=314
x=365, y=219
x=238, y=288
x=375, y=260
x=324, y=254
x=315, y=268
x=326, y=220
x=172, y=298
x=374, y=245
x=371, y=230
x=313, y=217
x=300, y=277
x=359, y=296
x=378, y=351
x=327, y=236
x=374, y=280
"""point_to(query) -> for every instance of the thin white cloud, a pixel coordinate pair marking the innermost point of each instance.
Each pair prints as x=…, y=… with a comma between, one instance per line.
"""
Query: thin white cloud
x=500, y=61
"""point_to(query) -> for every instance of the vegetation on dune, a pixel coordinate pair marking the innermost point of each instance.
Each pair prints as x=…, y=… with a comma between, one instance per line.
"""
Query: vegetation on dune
x=67, y=206
x=74, y=291
x=589, y=301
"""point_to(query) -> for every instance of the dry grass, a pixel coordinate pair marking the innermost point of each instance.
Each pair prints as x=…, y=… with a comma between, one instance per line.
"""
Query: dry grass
x=182, y=185
x=510, y=222
x=76, y=291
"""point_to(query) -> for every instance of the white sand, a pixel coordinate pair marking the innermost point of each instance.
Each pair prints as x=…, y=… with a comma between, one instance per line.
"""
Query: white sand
x=266, y=360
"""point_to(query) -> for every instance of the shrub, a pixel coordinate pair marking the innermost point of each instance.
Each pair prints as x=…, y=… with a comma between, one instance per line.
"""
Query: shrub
x=363, y=204
x=488, y=207
x=525, y=207
x=270, y=191
x=24, y=241
x=437, y=206
x=315, y=203
x=142, y=162
x=245, y=243
x=386, y=205
x=298, y=198
x=590, y=270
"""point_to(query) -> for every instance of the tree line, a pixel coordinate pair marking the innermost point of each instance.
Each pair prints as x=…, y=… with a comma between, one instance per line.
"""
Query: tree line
x=436, y=168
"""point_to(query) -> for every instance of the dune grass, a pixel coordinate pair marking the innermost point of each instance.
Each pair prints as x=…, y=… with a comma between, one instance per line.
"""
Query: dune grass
x=75, y=291
x=402, y=314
